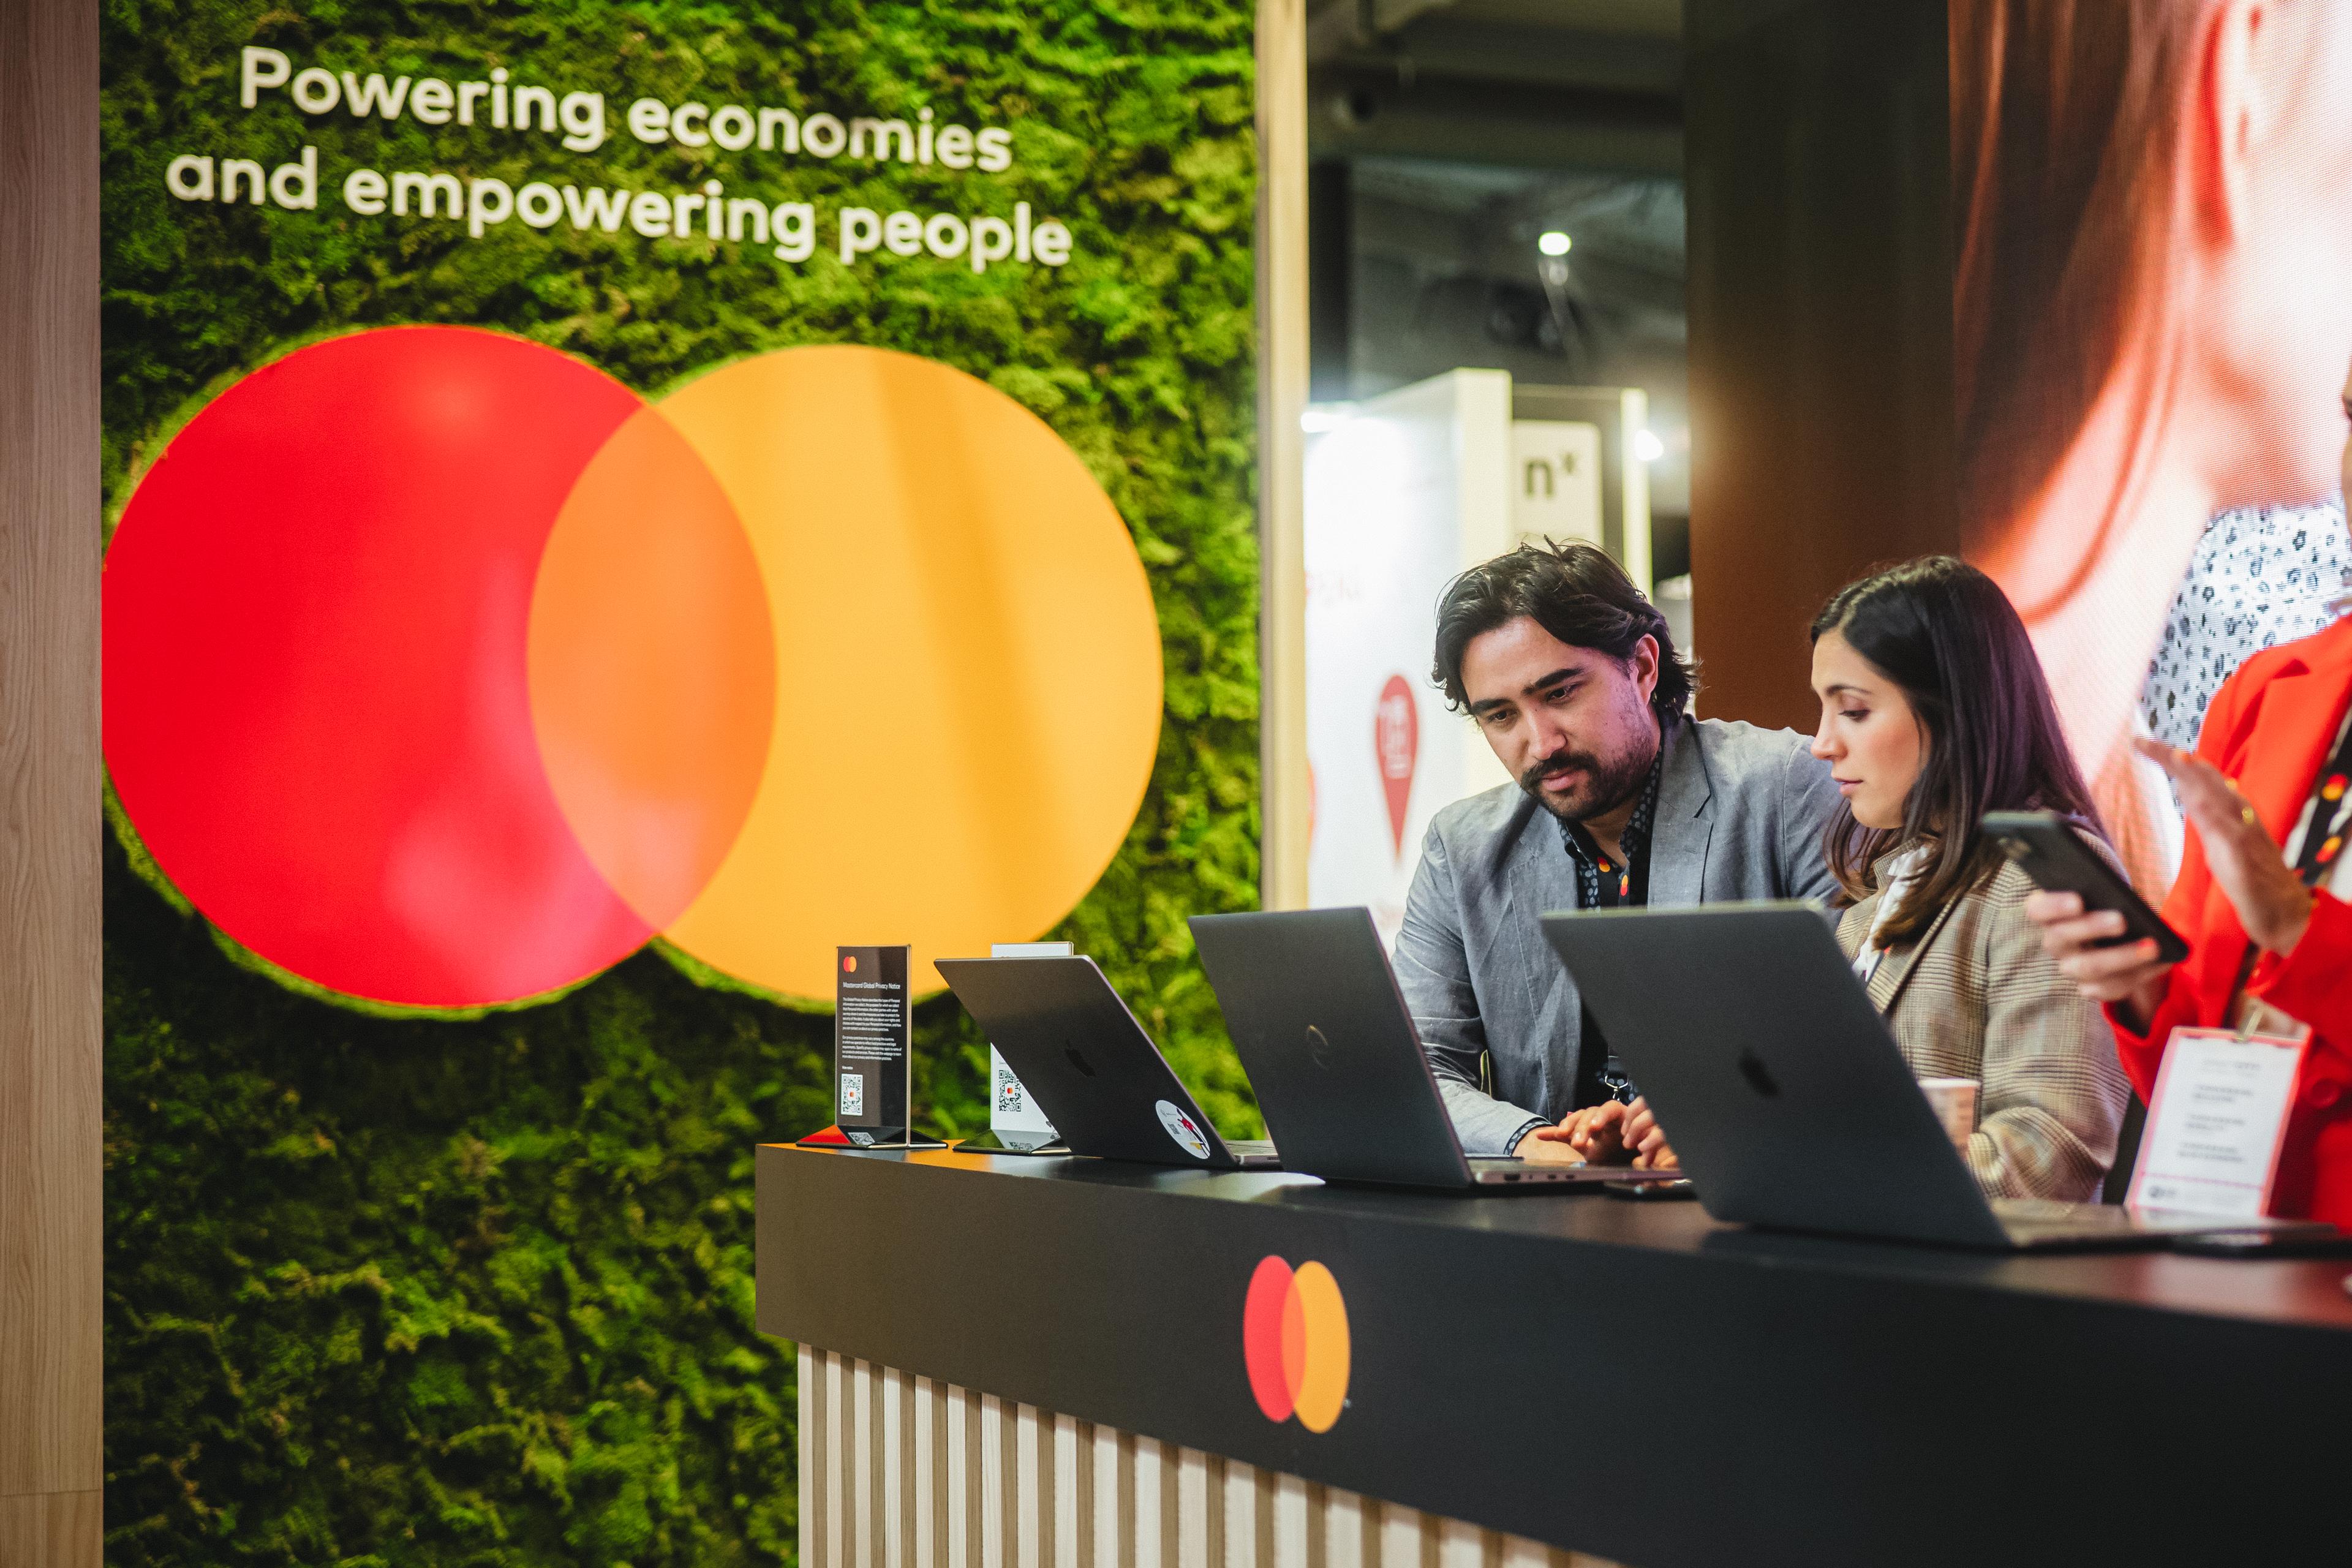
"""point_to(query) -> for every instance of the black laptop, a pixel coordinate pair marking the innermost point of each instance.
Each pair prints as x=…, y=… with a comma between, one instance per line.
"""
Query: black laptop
x=1323, y=1032
x=1090, y=1067
x=1785, y=1097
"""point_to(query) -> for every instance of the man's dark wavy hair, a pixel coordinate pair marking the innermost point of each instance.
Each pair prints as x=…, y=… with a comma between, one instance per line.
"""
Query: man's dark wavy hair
x=1573, y=591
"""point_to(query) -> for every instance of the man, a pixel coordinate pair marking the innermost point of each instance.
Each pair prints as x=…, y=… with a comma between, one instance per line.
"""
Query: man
x=1622, y=799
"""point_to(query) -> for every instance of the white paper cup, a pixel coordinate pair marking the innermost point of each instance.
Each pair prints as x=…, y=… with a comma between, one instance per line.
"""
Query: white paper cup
x=1955, y=1100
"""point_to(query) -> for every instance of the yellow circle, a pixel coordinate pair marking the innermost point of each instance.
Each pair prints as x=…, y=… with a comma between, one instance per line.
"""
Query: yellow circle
x=1323, y=1385
x=968, y=675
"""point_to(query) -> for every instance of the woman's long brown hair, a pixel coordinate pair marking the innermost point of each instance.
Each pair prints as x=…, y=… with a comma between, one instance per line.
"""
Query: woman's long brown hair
x=1945, y=634
x=2067, y=140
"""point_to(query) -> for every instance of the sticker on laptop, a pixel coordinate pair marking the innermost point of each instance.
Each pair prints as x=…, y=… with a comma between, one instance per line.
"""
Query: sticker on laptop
x=1183, y=1129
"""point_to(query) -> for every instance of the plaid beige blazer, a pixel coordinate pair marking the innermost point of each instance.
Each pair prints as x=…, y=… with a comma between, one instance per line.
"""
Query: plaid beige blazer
x=1975, y=996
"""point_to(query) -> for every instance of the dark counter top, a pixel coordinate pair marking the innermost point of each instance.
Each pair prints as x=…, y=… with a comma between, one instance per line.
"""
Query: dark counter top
x=1629, y=1379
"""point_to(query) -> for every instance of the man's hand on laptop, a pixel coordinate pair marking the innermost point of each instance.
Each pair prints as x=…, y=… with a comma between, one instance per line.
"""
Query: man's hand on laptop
x=1598, y=1133
x=1550, y=1146
x=1591, y=1136
x=1642, y=1135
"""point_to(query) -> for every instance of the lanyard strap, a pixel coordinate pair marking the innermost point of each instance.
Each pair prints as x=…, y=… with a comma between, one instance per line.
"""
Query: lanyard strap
x=2324, y=814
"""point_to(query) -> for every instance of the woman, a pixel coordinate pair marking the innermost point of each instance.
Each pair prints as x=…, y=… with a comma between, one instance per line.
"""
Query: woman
x=2261, y=899
x=1934, y=712
x=2152, y=299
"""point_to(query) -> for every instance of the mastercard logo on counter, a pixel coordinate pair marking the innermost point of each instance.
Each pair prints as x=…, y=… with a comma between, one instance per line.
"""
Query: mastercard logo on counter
x=1294, y=1344
x=442, y=670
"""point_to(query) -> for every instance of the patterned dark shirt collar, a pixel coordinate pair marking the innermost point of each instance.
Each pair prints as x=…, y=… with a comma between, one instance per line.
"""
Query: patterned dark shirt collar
x=1634, y=842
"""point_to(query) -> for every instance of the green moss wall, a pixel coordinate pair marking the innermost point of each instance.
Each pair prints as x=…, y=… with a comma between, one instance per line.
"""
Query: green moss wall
x=403, y=1291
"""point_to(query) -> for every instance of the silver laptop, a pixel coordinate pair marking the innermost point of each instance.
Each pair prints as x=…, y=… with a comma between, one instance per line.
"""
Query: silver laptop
x=1323, y=1032
x=1784, y=1095
x=1090, y=1067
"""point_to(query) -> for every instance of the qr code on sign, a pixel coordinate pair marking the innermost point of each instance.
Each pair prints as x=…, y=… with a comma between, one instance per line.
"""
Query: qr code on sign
x=853, y=1094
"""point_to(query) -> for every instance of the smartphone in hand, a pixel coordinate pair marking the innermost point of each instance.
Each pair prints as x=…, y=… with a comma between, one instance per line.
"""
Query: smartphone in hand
x=2051, y=852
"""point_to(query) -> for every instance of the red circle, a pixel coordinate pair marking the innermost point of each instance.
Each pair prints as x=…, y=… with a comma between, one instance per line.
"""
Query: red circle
x=317, y=711
x=1263, y=1312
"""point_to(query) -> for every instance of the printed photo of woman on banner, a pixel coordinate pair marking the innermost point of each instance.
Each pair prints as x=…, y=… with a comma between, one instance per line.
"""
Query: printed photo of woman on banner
x=2153, y=323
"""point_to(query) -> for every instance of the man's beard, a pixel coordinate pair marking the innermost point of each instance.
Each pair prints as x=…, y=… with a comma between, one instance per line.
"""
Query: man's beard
x=1605, y=790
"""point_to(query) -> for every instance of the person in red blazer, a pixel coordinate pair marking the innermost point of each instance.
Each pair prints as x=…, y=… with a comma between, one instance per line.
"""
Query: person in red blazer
x=2271, y=729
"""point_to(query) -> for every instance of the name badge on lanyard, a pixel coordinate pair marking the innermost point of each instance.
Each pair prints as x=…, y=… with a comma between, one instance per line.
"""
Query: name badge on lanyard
x=2218, y=1117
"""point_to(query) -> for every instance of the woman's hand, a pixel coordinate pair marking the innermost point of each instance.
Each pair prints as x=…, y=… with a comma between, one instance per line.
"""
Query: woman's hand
x=2271, y=901
x=2272, y=904
x=2129, y=975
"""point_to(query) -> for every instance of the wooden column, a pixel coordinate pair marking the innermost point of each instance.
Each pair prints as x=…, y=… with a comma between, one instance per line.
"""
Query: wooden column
x=51, y=1266
x=1282, y=372
x=1820, y=183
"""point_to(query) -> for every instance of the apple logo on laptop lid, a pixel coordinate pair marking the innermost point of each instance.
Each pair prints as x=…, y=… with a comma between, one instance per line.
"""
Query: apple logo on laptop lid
x=1759, y=1077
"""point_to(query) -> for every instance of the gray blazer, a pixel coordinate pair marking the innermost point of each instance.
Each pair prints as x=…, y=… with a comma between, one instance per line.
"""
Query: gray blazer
x=1975, y=996
x=1740, y=815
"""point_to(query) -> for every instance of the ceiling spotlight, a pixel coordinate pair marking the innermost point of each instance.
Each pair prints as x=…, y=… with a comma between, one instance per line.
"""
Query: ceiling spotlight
x=1647, y=446
x=1552, y=242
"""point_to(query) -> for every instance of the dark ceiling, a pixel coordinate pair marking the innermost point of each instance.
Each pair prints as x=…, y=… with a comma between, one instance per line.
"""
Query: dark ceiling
x=1583, y=84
